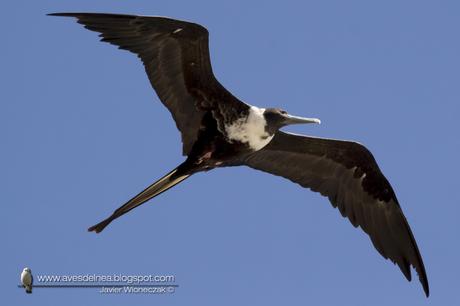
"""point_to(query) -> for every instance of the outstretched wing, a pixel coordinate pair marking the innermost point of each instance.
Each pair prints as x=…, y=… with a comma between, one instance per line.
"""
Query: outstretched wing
x=346, y=173
x=176, y=58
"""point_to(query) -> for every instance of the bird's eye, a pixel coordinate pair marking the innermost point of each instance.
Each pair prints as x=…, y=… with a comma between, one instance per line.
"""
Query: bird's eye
x=283, y=112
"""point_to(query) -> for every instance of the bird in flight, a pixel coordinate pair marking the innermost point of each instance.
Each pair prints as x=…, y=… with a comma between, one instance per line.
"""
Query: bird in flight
x=219, y=130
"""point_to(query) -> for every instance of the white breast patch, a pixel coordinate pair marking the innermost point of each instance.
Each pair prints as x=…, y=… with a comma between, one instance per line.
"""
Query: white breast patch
x=250, y=130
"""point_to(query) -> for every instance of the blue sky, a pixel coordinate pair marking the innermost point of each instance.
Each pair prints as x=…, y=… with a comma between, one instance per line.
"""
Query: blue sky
x=82, y=131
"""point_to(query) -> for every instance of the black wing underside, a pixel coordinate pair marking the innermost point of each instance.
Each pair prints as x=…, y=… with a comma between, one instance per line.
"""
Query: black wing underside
x=176, y=58
x=346, y=173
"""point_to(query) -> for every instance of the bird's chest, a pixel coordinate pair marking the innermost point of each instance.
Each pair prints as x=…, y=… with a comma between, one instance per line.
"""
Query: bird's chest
x=250, y=130
x=26, y=278
x=216, y=147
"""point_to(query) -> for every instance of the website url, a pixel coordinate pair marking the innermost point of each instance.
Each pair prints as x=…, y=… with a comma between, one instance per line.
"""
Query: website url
x=109, y=278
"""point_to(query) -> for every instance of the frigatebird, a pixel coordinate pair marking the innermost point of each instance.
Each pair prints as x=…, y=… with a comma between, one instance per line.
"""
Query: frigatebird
x=219, y=130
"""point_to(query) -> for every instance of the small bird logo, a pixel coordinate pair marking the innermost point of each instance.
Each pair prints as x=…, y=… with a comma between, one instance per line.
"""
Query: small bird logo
x=27, y=279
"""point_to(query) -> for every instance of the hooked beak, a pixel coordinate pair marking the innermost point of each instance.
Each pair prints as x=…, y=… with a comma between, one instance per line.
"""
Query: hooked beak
x=289, y=119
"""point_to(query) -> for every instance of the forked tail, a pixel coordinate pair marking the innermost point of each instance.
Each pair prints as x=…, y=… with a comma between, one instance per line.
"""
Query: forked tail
x=169, y=180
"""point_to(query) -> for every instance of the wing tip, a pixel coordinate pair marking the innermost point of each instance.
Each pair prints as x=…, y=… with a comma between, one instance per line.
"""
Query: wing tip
x=63, y=14
x=419, y=266
x=82, y=14
x=426, y=288
x=424, y=281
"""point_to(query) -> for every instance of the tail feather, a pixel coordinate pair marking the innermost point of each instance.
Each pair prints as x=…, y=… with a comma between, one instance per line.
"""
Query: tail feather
x=169, y=180
x=101, y=225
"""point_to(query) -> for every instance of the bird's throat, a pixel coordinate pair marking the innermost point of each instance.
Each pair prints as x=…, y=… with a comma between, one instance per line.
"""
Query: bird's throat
x=250, y=129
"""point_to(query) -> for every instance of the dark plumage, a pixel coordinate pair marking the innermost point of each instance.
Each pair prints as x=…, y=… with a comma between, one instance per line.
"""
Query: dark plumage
x=219, y=130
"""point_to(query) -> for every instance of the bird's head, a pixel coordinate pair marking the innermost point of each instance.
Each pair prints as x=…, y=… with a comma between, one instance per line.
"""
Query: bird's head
x=27, y=270
x=277, y=118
